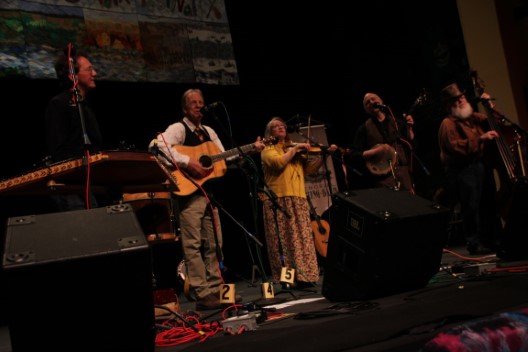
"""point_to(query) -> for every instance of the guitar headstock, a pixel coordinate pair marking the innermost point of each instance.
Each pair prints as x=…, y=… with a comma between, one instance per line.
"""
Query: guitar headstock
x=420, y=101
x=270, y=140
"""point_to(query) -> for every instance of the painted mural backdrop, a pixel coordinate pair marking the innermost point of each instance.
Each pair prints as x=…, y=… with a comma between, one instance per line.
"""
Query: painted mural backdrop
x=182, y=41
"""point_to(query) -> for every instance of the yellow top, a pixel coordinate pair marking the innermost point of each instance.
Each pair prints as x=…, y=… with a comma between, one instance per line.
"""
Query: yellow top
x=284, y=178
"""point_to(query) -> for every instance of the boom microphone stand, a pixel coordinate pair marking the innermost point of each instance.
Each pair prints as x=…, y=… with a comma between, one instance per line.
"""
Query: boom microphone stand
x=276, y=206
x=219, y=206
x=77, y=101
x=252, y=179
x=210, y=109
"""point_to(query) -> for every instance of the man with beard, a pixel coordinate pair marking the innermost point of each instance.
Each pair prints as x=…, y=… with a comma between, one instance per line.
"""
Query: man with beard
x=463, y=138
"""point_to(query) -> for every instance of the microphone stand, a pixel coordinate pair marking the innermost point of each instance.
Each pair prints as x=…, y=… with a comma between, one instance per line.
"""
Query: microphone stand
x=230, y=135
x=412, y=154
x=219, y=206
x=252, y=185
x=77, y=101
x=275, y=205
x=243, y=156
x=273, y=198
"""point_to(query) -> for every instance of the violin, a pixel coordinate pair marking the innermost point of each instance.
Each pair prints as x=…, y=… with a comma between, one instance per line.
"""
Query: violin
x=312, y=151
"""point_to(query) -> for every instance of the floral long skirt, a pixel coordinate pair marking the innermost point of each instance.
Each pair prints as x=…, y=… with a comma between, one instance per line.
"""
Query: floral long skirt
x=289, y=239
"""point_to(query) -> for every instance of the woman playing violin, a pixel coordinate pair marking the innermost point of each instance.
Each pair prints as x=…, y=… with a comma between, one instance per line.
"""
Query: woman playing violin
x=287, y=219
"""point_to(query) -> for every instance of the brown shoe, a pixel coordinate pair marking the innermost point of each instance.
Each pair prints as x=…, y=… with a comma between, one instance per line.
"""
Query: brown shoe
x=208, y=302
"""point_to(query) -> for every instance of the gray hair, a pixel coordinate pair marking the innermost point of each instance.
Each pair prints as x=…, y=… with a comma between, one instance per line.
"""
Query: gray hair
x=267, y=131
x=186, y=94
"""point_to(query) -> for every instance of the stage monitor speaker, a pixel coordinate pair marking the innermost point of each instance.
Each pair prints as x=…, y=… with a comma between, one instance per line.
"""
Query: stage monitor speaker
x=382, y=242
x=514, y=244
x=79, y=281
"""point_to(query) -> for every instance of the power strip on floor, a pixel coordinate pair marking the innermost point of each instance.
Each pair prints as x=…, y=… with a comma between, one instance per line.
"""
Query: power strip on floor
x=236, y=325
x=479, y=269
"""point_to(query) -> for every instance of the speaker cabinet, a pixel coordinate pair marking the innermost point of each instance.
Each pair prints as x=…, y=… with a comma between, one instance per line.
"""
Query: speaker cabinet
x=79, y=281
x=382, y=242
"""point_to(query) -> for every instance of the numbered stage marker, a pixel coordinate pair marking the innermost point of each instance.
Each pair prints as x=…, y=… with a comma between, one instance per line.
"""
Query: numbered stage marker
x=227, y=293
x=287, y=275
x=267, y=290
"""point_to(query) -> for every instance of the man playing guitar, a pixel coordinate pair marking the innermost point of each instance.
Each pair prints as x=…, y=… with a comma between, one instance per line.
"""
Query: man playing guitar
x=201, y=235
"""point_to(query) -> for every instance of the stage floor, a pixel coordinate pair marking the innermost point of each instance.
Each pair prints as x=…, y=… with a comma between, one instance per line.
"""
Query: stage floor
x=306, y=321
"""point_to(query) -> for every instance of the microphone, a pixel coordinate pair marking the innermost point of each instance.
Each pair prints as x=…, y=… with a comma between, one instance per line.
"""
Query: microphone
x=209, y=107
x=154, y=149
x=158, y=152
x=379, y=106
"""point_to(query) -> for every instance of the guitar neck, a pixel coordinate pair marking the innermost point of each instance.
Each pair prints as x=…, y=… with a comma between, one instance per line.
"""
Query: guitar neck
x=232, y=152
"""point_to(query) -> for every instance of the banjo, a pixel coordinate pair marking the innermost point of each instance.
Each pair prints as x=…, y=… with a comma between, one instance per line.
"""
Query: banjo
x=383, y=163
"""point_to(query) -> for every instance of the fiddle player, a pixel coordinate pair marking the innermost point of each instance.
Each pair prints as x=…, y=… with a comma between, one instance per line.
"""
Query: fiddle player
x=382, y=146
x=287, y=230
x=463, y=137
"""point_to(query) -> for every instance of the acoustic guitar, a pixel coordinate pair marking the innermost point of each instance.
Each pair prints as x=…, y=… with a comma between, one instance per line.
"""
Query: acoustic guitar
x=320, y=230
x=210, y=158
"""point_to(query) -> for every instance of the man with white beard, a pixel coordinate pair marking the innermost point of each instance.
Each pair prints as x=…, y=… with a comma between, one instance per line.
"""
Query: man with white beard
x=463, y=138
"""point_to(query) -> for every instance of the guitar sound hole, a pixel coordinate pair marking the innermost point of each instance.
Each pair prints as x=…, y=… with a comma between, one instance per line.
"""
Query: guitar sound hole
x=205, y=161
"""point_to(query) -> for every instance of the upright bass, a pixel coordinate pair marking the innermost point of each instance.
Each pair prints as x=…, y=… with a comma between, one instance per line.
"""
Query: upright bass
x=508, y=157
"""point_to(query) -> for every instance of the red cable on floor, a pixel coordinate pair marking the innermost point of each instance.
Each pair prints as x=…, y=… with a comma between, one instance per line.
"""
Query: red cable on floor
x=182, y=334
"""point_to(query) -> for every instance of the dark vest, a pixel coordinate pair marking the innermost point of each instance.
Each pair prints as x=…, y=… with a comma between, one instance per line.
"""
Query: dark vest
x=191, y=139
x=385, y=132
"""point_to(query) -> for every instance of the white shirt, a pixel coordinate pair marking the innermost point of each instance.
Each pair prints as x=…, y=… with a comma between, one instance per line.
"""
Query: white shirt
x=175, y=135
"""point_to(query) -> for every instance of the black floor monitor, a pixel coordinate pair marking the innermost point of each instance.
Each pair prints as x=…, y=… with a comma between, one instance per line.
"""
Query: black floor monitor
x=382, y=242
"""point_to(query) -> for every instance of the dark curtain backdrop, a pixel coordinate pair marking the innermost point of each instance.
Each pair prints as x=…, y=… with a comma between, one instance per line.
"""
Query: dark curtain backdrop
x=294, y=59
